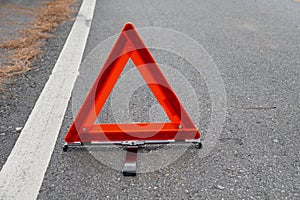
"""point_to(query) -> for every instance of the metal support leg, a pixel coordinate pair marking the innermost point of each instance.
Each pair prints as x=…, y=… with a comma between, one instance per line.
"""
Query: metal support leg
x=67, y=145
x=129, y=168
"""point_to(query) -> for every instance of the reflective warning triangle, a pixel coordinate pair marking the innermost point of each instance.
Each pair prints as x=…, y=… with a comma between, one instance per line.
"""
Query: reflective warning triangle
x=130, y=45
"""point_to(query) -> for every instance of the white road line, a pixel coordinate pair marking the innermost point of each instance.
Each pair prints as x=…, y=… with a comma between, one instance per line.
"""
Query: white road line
x=22, y=175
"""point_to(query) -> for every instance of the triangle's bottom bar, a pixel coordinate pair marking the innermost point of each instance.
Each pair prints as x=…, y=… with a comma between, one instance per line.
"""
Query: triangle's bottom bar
x=138, y=136
x=128, y=132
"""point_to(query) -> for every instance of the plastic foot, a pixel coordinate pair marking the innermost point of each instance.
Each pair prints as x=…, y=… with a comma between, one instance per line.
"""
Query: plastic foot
x=65, y=147
x=199, y=145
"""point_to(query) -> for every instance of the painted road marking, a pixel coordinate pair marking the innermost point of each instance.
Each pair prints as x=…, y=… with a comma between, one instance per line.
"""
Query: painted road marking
x=22, y=175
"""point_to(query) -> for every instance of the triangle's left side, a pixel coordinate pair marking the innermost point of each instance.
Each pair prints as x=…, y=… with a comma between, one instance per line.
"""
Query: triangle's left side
x=100, y=90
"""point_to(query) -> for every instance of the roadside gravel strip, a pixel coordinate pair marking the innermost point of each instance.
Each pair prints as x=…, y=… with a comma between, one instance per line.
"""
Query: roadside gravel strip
x=23, y=172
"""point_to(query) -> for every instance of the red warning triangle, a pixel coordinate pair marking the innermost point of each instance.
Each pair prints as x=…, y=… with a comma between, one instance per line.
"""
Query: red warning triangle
x=130, y=45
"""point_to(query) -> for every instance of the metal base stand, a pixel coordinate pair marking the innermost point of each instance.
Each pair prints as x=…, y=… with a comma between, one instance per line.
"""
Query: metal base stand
x=131, y=148
x=129, y=168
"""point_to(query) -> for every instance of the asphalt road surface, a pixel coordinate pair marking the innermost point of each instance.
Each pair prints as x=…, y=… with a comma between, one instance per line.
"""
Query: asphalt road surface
x=255, y=46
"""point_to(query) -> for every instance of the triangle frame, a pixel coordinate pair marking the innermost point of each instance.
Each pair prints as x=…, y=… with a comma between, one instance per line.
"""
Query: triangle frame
x=130, y=45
